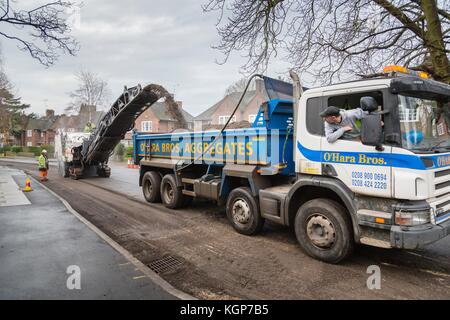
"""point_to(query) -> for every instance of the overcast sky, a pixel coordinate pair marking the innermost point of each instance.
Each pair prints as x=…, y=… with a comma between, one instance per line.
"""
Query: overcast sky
x=130, y=42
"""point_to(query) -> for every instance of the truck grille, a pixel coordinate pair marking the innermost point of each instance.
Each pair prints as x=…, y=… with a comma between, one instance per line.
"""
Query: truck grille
x=442, y=195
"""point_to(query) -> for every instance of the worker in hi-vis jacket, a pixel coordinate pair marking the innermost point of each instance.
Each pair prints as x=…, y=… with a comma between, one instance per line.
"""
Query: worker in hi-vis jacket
x=43, y=165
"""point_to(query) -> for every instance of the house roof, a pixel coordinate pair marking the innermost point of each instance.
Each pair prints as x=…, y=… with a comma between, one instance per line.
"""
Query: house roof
x=40, y=124
x=64, y=121
x=77, y=122
x=234, y=99
x=162, y=113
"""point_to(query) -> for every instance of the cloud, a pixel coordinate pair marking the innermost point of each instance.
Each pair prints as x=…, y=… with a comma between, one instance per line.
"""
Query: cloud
x=125, y=43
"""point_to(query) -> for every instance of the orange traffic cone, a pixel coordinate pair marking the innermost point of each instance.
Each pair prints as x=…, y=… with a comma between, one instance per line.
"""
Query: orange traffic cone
x=27, y=185
x=129, y=163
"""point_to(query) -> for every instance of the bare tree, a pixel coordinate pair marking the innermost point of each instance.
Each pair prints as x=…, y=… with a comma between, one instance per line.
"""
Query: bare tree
x=239, y=86
x=91, y=91
x=334, y=39
x=43, y=31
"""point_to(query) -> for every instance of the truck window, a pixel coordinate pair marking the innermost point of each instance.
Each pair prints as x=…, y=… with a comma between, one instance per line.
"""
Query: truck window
x=314, y=123
x=350, y=102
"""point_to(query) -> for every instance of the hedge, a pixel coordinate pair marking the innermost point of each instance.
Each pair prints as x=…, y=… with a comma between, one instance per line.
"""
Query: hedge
x=13, y=150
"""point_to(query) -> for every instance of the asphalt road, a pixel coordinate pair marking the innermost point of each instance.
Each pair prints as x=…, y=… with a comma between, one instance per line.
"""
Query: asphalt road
x=42, y=245
x=207, y=259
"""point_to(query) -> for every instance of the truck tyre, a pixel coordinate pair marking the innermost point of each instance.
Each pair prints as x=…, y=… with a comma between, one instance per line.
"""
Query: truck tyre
x=243, y=211
x=151, y=185
x=171, y=194
x=324, y=230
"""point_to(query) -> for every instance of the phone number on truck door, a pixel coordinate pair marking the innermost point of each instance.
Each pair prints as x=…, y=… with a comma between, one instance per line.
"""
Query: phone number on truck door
x=369, y=180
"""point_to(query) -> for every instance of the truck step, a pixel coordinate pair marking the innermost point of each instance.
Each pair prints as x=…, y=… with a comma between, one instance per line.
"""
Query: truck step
x=187, y=180
x=188, y=193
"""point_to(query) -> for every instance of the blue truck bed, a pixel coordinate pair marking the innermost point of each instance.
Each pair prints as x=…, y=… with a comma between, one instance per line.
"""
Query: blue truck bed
x=267, y=143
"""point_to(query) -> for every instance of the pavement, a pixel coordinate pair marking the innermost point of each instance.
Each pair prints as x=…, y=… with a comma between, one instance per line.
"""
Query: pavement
x=46, y=252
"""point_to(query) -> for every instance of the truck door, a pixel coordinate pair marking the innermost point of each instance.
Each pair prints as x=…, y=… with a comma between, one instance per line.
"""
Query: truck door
x=362, y=168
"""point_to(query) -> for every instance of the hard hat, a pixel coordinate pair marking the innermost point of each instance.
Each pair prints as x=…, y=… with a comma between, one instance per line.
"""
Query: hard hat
x=44, y=151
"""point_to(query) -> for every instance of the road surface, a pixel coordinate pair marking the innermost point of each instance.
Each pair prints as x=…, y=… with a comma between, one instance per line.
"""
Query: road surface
x=209, y=260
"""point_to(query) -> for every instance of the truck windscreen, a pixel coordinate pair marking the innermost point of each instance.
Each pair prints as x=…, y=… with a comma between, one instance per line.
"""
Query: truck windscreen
x=424, y=124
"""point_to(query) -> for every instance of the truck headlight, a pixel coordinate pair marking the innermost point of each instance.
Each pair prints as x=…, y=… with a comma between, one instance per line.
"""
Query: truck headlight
x=412, y=218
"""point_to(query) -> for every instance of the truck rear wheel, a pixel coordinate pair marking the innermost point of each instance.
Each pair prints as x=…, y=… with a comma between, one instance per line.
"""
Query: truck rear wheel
x=151, y=185
x=243, y=212
x=324, y=230
x=171, y=195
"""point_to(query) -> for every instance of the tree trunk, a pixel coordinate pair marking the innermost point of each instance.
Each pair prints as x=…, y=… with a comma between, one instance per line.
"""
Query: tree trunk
x=434, y=41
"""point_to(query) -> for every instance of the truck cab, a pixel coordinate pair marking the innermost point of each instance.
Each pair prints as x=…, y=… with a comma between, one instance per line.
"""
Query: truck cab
x=397, y=190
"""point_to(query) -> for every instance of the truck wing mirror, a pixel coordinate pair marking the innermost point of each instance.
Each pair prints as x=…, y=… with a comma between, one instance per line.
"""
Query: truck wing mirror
x=372, y=131
x=368, y=104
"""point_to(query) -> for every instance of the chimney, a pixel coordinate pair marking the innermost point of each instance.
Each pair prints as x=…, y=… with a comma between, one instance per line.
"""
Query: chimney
x=180, y=104
x=259, y=85
x=49, y=113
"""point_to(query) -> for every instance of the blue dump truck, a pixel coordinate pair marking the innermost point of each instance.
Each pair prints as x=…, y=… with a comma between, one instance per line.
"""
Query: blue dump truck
x=388, y=186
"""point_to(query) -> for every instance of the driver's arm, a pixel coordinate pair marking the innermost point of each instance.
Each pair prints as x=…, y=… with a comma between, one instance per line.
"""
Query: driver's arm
x=357, y=113
x=331, y=134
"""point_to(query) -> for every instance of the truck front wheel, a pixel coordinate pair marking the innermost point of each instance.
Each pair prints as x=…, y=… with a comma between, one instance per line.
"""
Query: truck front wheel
x=151, y=185
x=243, y=212
x=324, y=230
x=171, y=194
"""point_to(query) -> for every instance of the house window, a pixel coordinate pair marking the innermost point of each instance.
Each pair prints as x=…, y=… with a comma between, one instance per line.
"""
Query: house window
x=29, y=144
x=251, y=118
x=29, y=133
x=408, y=114
x=42, y=134
x=146, y=126
x=224, y=119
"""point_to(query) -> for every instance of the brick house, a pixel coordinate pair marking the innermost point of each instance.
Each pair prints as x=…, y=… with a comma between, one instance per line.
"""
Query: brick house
x=38, y=132
x=41, y=131
x=220, y=112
